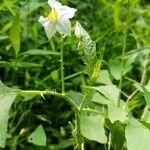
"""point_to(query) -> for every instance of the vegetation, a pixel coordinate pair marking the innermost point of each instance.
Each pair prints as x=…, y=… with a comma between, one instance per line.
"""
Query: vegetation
x=90, y=90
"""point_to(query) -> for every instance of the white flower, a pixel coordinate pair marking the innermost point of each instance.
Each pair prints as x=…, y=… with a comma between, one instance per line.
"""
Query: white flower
x=58, y=19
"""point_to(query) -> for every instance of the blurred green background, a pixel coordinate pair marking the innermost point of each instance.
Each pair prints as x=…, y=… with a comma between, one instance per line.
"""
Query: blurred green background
x=28, y=60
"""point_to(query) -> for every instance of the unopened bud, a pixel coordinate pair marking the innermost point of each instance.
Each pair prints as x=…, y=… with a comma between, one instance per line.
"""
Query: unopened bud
x=78, y=30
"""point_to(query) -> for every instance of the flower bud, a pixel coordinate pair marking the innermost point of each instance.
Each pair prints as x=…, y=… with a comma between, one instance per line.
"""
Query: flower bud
x=78, y=30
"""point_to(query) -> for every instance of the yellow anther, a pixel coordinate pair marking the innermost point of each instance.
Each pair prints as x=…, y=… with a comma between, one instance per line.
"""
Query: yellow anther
x=53, y=15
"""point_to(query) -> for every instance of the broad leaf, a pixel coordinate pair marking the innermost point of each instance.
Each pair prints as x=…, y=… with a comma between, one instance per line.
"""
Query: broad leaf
x=92, y=128
x=76, y=97
x=38, y=137
x=114, y=67
x=116, y=113
x=137, y=135
x=7, y=97
x=104, y=77
x=99, y=98
x=111, y=92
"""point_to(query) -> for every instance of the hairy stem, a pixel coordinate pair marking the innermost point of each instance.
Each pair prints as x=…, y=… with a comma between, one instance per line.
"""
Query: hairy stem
x=80, y=143
x=62, y=66
x=46, y=92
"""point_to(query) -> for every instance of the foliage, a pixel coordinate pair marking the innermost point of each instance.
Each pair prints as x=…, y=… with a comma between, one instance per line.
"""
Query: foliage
x=106, y=68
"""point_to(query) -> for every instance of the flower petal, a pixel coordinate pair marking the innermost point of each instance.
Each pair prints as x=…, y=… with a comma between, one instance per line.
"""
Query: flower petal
x=54, y=4
x=64, y=26
x=50, y=29
x=67, y=12
x=43, y=21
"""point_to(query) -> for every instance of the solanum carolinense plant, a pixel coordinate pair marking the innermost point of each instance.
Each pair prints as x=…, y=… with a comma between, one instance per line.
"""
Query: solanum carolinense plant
x=61, y=88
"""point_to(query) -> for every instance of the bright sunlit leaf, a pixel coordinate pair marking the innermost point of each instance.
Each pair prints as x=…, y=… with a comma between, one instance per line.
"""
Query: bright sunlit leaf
x=137, y=135
x=92, y=127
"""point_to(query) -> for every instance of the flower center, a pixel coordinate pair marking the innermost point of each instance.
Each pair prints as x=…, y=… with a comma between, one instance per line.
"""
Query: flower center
x=53, y=15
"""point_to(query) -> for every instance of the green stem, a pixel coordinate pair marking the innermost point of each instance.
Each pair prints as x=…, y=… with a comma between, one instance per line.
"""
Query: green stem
x=74, y=75
x=123, y=52
x=62, y=66
x=37, y=92
x=88, y=110
x=80, y=144
x=87, y=92
x=82, y=102
x=46, y=92
x=144, y=75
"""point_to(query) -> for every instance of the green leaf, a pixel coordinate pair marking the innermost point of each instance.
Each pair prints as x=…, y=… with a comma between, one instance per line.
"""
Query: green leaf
x=55, y=75
x=38, y=137
x=104, y=77
x=115, y=67
x=136, y=54
x=137, y=135
x=76, y=97
x=145, y=92
x=39, y=52
x=117, y=130
x=92, y=128
x=148, y=86
x=115, y=70
x=9, y=4
x=99, y=98
x=116, y=113
x=111, y=92
x=87, y=48
x=6, y=27
x=30, y=7
x=96, y=71
x=19, y=64
x=7, y=97
x=15, y=34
